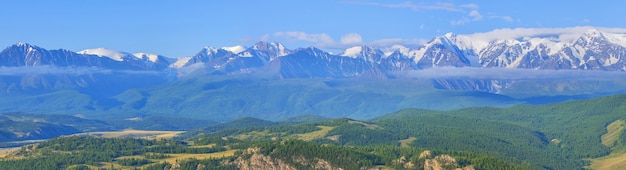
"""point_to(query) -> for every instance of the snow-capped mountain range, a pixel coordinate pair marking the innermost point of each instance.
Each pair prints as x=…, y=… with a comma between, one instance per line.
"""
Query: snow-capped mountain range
x=590, y=50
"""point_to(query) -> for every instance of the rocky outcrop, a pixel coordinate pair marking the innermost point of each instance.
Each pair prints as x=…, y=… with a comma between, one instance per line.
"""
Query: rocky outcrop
x=315, y=163
x=252, y=159
x=444, y=162
x=258, y=161
x=425, y=154
x=403, y=161
x=441, y=162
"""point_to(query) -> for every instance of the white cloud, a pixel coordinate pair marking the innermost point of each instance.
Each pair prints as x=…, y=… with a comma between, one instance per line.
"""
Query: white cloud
x=552, y=37
x=264, y=37
x=472, y=16
x=562, y=34
x=470, y=6
x=295, y=36
x=438, y=6
x=475, y=15
x=351, y=38
x=511, y=74
x=187, y=70
x=323, y=40
x=383, y=43
x=53, y=70
x=470, y=11
x=505, y=18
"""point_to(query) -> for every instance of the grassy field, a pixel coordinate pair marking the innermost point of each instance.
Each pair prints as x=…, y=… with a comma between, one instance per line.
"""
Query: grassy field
x=5, y=151
x=174, y=157
x=614, y=130
x=146, y=134
x=617, y=159
x=611, y=162
x=315, y=134
x=407, y=142
x=203, y=146
x=369, y=126
x=171, y=159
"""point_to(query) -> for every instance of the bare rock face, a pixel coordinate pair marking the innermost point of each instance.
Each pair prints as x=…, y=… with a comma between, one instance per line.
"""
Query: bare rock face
x=315, y=163
x=441, y=162
x=403, y=161
x=259, y=162
x=425, y=154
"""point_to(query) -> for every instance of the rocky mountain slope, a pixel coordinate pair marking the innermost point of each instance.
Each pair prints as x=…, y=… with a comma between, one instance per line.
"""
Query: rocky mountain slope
x=592, y=50
x=241, y=81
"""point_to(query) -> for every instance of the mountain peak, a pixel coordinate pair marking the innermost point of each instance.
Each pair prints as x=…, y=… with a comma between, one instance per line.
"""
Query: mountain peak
x=269, y=50
x=25, y=45
x=235, y=49
x=22, y=44
x=267, y=45
x=312, y=50
x=104, y=52
x=450, y=35
x=208, y=50
x=593, y=33
x=592, y=36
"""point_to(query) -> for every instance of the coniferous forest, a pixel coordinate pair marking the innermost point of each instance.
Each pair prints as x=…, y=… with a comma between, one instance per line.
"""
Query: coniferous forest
x=557, y=136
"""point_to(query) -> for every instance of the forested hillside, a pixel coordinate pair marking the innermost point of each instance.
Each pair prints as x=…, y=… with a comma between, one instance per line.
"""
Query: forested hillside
x=556, y=136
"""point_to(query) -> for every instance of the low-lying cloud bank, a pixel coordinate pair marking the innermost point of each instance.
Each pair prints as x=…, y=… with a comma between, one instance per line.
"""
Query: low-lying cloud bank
x=51, y=70
x=477, y=73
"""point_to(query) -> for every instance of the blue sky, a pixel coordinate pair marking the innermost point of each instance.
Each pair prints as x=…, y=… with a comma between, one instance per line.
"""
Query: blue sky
x=182, y=28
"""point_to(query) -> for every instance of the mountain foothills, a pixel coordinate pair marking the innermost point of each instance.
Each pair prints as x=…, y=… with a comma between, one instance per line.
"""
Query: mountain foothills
x=268, y=80
x=570, y=135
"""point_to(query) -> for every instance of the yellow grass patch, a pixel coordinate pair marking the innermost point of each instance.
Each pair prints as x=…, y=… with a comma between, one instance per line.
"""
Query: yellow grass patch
x=252, y=135
x=617, y=159
x=147, y=134
x=407, y=142
x=129, y=157
x=203, y=146
x=4, y=152
x=107, y=165
x=614, y=130
x=369, y=126
x=613, y=161
x=173, y=157
x=315, y=134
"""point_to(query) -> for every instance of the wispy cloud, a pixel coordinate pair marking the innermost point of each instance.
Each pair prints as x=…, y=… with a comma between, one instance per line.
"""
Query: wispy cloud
x=419, y=7
x=470, y=11
x=295, y=36
x=188, y=70
x=567, y=34
x=505, y=18
x=351, y=38
x=264, y=37
x=324, y=40
x=383, y=43
x=74, y=71
x=472, y=16
x=511, y=74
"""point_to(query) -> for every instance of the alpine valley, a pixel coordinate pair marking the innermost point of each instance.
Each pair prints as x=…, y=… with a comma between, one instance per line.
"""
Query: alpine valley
x=269, y=81
x=553, y=100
